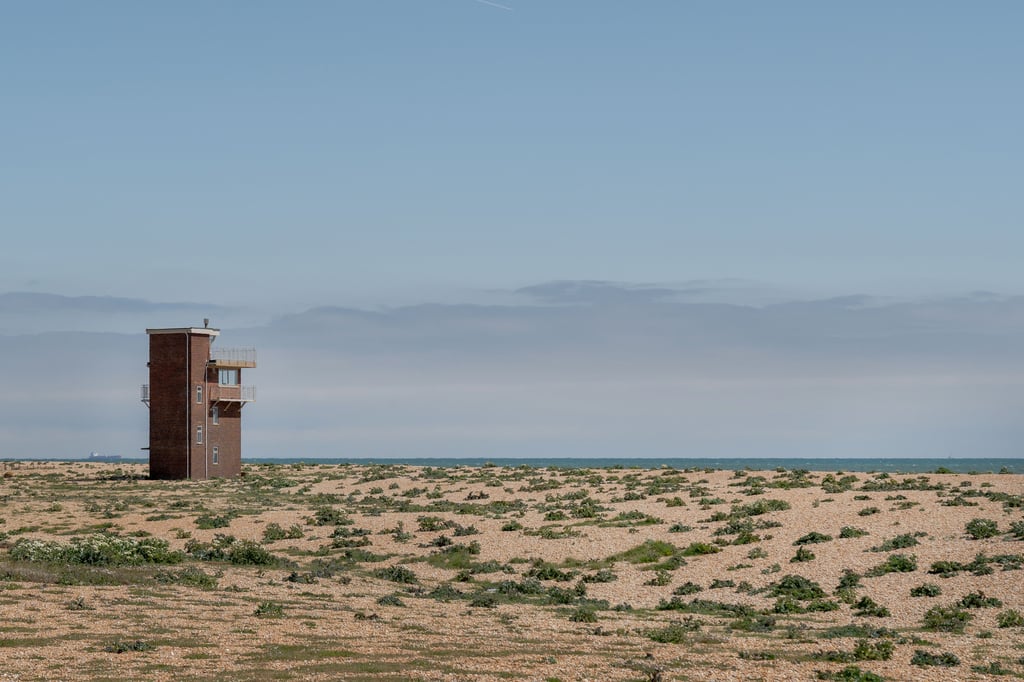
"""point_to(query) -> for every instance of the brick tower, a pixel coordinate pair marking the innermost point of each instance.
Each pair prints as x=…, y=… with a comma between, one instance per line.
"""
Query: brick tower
x=195, y=398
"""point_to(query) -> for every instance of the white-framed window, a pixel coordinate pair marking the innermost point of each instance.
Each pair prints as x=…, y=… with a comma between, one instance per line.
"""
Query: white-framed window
x=199, y=394
x=199, y=434
x=227, y=377
x=215, y=414
x=216, y=455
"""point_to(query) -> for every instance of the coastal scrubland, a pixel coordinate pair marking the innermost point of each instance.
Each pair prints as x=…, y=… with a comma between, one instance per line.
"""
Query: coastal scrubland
x=306, y=571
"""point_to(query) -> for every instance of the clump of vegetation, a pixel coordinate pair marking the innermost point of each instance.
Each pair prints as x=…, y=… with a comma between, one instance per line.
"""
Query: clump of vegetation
x=269, y=609
x=390, y=600
x=228, y=548
x=396, y=574
x=584, y=614
x=274, y=532
x=796, y=587
x=754, y=623
x=1017, y=530
x=79, y=604
x=190, y=575
x=925, y=658
x=991, y=668
x=329, y=516
x=483, y=600
x=119, y=646
x=946, y=619
x=647, y=552
x=981, y=565
x=851, y=532
x=660, y=579
x=208, y=521
x=802, y=554
x=1010, y=619
x=978, y=600
x=676, y=632
x=542, y=570
x=864, y=650
x=979, y=529
x=687, y=588
x=898, y=542
x=850, y=673
x=603, y=575
x=894, y=563
x=98, y=549
x=868, y=511
x=868, y=607
x=926, y=590
x=700, y=548
x=811, y=538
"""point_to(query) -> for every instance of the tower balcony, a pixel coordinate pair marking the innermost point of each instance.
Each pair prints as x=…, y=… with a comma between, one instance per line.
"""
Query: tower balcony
x=144, y=394
x=232, y=394
x=233, y=358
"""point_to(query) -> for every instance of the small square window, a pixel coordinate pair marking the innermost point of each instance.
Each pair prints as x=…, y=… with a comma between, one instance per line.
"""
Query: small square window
x=199, y=434
x=216, y=455
x=199, y=394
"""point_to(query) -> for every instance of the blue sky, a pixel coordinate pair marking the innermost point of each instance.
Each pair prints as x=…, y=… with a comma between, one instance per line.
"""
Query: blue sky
x=266, y=159
x=374, y=148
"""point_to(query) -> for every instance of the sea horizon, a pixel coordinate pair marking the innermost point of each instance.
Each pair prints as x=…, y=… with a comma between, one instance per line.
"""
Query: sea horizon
x=914, y=465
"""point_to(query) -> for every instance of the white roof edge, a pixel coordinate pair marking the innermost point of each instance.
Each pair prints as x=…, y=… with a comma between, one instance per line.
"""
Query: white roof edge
x=185, y=330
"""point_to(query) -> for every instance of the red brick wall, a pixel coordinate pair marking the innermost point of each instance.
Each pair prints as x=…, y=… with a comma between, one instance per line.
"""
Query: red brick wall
x=178, y=363
x=168, y=409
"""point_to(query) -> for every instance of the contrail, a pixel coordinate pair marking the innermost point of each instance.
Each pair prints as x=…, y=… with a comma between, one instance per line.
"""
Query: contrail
x=494, y=4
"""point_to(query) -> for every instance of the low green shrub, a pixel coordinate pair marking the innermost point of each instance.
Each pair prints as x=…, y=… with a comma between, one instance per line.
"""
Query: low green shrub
x=898, y=542
x=676, y=632
x=946, y=619
x=119, y=646
x=926, y=590
x=925, y=658
x=797, y=587
x=208, y=521
x=700, y=548
x=868, y=607
x=978, y=600
x=1010, y=619
x=269, y=609
x=894, y=563
x=98, y=549
x=687, y=588
x=850, y=673
x=811, y=538
x=979, y=529
x=583, y=614
x=390, y=600
x=396, y=574
x=991, y=668
x=802, y=555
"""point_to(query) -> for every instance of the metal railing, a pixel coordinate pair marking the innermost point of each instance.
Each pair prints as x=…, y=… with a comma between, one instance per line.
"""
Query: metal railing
x=234, y=355
x=233, y=394
x=144, y=393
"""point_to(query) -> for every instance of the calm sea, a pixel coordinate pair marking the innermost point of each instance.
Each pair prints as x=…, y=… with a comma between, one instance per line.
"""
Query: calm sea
x=915, y=465
x=908, y=465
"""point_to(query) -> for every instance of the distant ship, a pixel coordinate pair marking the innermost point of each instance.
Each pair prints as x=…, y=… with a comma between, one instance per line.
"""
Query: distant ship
x=97, y=457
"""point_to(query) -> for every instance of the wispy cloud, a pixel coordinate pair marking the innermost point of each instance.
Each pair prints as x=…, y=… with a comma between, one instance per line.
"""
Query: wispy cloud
x=495, y=4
